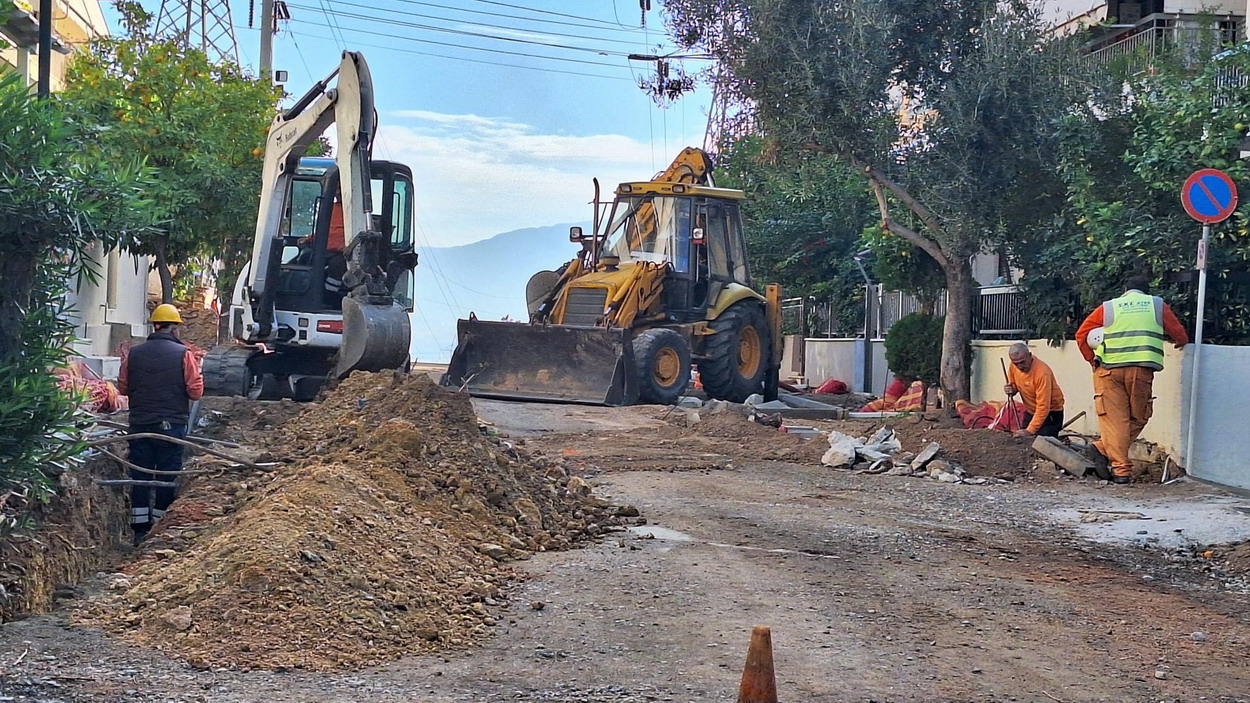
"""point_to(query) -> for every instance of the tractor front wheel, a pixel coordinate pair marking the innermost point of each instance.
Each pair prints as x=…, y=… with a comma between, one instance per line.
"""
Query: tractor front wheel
x=662, y=366
x=737, y=353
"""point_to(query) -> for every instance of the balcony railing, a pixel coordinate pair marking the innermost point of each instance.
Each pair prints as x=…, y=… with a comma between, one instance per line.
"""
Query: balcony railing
x=1189, y=39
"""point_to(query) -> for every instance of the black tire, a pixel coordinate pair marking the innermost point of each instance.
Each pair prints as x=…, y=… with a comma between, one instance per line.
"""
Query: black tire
x=725, y=373
x=661, y=365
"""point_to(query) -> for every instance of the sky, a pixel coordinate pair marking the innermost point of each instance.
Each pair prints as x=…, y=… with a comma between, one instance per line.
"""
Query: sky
x=503, y=110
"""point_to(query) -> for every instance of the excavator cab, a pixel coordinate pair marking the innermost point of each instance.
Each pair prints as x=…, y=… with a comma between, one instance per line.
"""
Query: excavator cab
x=664, y=284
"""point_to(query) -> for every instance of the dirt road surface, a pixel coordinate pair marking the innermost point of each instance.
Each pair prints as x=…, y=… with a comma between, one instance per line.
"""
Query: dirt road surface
x=877, y=588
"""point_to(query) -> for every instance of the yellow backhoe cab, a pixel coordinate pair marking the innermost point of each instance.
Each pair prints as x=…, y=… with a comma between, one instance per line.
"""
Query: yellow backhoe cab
x=664, y=285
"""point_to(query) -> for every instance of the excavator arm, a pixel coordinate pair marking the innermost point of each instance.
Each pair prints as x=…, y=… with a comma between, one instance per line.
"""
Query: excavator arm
x=375, y=327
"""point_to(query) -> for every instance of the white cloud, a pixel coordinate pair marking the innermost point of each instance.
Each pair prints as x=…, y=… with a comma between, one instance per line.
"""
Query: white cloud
x=478, y=176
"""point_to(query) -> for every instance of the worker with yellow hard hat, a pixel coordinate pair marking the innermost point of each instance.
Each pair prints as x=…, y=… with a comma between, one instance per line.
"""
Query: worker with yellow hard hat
x=161, y=376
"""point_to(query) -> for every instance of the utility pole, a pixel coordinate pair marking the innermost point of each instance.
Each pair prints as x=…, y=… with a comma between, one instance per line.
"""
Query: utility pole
x=206, y=25
x=45, y=48
x=266, y=39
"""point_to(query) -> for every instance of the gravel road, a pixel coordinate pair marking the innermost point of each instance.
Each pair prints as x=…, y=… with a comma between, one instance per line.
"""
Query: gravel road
x=877, y=588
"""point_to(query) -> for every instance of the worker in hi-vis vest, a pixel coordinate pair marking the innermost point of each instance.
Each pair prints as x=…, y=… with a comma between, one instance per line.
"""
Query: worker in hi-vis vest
x=1133, y=328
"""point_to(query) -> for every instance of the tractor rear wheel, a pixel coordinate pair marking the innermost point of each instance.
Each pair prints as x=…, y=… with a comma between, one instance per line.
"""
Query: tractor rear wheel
x=737, y=353
x=662, y=366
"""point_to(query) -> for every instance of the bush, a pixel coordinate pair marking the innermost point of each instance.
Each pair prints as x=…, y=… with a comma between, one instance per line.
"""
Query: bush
x=53, y=205
x=913, y=348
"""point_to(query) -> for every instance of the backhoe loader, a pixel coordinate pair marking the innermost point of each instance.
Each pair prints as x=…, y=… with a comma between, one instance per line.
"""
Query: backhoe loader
x=664, y=284
x=330, y=283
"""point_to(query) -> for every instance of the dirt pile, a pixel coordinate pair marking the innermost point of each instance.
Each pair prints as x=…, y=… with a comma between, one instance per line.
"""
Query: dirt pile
x=387, y=533
x=199, y=326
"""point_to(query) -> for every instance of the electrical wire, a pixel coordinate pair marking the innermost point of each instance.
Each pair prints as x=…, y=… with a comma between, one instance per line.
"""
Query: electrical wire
x=497, y=26
x=468, y=60
x=466, y=33
x=472, y=48
x=622, y=28
x=334, y=24
x=544, y=12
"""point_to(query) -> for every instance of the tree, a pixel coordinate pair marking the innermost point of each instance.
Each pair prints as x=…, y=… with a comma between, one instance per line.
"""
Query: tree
x=54, y=203
x=200, y=125
x=803, y=219
x=947, y=108
x=1124, y=172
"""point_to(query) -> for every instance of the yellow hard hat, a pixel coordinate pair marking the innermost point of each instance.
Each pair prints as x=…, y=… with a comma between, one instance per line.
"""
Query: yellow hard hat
x=166, y=313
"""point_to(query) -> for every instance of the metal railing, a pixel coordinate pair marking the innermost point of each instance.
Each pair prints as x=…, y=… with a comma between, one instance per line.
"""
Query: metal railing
x=1189, y=39
x=999, y=312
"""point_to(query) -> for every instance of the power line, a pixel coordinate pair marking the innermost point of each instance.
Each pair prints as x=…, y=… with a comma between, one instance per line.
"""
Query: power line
x=609, y=28
x=465, y=33
x=473, y=48
x=334, y=23
x=478, y=24
x=462, y=58
x=544, y=12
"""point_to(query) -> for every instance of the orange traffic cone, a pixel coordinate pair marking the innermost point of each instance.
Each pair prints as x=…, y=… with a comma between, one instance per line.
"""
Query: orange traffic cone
x=759, y=684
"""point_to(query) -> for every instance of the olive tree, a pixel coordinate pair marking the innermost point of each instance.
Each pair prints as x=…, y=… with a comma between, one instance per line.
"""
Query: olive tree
x=947, y=109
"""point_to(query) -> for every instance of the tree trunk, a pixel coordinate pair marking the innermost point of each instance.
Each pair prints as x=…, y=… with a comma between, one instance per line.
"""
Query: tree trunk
x=162, y=270
x=957, y=332
x=17, y=277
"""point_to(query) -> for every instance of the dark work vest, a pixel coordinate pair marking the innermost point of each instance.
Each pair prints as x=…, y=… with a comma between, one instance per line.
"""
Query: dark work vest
x=158, y=389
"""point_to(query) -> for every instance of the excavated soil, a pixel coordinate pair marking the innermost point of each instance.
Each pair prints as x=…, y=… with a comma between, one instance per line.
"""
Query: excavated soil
x=384, y=529
x=199, y=326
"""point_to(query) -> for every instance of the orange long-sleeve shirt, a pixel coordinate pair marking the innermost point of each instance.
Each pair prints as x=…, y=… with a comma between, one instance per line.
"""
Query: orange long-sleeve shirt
x=190, y=375
x=1039, y=391
x=1172, y=328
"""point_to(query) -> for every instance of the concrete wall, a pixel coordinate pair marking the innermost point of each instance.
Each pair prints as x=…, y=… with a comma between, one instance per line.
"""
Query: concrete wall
x=843, y=359
x=1075, y=378
x=1221, y=442
x=114, y=306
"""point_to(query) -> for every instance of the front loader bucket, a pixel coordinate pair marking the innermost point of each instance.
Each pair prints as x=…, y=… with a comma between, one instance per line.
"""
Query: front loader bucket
x=375, y=337
x=536, y=362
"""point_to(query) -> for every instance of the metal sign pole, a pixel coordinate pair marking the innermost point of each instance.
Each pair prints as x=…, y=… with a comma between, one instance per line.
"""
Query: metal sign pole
x=1193, y=374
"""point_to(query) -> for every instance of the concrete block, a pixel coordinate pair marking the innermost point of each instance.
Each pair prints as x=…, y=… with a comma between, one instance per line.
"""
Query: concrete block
x=1071, y=461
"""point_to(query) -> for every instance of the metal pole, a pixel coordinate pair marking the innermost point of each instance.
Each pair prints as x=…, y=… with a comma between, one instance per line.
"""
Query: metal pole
x=869, y=313
x=266, y=40
x=45, y=48
x=1193, y=374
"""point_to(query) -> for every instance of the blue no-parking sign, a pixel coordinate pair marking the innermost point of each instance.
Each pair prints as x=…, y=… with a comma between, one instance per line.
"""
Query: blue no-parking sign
x=1209, y=196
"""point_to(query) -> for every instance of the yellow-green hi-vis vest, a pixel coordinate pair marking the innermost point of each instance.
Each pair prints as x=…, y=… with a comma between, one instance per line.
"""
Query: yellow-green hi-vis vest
x=1132, y=332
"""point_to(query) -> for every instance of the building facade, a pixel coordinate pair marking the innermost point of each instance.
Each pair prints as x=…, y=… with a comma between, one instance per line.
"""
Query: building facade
x=111, y=307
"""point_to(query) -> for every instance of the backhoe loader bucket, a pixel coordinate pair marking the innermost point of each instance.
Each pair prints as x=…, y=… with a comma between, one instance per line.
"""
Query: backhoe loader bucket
x=536, y=362
x=375, y=337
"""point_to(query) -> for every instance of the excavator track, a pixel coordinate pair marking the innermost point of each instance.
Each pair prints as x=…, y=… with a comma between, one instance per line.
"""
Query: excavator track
x=226, y=370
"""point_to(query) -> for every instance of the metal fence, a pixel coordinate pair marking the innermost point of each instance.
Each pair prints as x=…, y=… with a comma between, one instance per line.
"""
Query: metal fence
x=998, y=313
x=1187, y=38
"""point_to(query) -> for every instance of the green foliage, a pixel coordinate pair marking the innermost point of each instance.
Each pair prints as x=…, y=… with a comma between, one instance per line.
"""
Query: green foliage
x=200, y=125
x=1123, y=174
x=55, y=201
x=913, y=348
x=947, y=107
x=803, y=221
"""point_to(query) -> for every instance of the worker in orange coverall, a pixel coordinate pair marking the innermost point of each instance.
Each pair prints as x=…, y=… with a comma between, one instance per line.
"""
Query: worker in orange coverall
x=1134, y=327
x=1043, y=398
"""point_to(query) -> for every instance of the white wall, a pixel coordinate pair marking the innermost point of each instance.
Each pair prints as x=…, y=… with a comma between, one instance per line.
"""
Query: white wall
x=117, y=296
x=843, y=359
x=1221, y=440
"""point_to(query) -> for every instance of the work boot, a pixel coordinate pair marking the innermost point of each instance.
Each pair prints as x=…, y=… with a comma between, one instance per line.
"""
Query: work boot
x=1122, y=480
x=140, y=535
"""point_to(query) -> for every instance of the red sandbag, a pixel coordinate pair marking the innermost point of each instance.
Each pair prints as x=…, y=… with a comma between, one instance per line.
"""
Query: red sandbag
x=833, y=387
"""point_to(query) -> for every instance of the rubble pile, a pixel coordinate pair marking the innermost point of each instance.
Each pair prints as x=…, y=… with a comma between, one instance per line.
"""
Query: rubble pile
x=385, y=530
x=882, y=453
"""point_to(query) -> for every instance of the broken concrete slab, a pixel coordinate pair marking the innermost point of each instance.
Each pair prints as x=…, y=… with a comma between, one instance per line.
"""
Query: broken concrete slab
x=1064, y=456
x=798, y=401
x=926, y=455
x=687, y=401
x=842, y=450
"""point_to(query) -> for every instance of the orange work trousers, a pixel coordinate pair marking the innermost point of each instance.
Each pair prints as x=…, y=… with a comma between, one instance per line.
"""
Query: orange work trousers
x=1123, y=401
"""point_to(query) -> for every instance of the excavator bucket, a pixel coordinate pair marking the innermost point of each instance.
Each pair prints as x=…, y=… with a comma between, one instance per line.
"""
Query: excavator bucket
x=543, y=362
x=375, y=337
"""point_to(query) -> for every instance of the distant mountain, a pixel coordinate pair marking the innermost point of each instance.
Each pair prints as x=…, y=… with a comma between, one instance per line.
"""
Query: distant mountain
x=486, y=277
